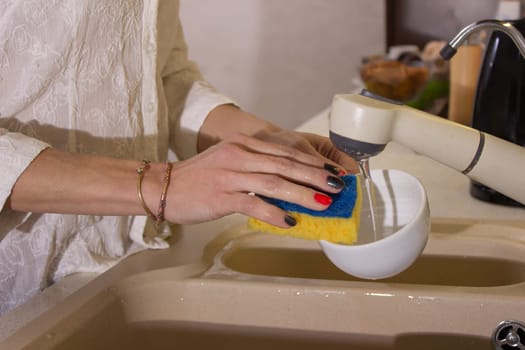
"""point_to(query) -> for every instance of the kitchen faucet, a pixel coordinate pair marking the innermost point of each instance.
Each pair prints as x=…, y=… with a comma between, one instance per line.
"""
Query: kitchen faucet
x=362, y=124
x=499, y=102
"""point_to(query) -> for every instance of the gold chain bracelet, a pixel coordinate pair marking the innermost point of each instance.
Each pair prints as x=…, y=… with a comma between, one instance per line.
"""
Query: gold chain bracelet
x=140, y=175
x=164, y=194
x=159, y=218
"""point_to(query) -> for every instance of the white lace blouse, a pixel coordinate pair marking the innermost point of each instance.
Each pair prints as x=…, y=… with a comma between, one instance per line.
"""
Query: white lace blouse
x=109, y=77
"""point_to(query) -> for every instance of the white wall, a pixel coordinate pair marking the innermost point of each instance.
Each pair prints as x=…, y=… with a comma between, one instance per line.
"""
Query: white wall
x=283, y=59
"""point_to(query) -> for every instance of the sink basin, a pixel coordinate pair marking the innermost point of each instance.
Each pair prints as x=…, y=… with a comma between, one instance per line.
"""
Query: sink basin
x=500, y=265
x=259, y=291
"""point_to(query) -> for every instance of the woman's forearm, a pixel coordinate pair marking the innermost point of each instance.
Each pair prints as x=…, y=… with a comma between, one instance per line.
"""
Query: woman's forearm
x=215, y=183
x=61, y=182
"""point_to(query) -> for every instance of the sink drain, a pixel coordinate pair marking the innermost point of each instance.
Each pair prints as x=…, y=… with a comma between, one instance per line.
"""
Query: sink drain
x=509, y=335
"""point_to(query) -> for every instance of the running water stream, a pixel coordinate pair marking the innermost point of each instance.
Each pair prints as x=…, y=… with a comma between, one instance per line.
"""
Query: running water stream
x=364, y=166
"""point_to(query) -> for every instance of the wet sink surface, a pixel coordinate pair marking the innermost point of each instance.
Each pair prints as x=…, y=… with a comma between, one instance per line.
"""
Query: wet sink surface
x=256, y=291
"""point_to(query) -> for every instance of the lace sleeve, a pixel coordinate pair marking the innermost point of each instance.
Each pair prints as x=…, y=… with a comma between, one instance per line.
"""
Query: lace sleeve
x=17, y=151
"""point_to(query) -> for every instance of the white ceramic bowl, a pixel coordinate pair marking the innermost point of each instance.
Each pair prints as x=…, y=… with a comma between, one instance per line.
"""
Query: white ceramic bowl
x=403, y=222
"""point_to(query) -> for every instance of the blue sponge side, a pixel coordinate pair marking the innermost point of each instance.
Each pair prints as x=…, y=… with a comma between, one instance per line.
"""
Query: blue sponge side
x=342, y=203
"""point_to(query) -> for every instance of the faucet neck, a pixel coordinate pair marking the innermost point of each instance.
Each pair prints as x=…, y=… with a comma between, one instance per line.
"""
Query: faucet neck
x=506, y=27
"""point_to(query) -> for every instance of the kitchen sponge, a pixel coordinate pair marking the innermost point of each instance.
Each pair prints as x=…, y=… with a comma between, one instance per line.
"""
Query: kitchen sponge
x=339, y=223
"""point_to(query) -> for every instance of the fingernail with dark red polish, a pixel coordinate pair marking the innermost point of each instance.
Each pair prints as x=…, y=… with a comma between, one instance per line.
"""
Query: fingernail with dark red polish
x=335, y=182
x=290, y=220
x=323, y=199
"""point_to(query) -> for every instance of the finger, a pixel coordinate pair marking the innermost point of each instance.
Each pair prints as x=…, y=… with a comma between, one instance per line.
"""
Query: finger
x=346, y=162
x=274, y=186
x=334, y=169
x=278, y=150
x=331, y=154
x=325, y=178
x=257, y=208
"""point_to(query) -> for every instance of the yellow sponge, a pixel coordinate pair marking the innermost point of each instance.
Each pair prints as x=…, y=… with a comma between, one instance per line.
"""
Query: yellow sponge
x=339, y=223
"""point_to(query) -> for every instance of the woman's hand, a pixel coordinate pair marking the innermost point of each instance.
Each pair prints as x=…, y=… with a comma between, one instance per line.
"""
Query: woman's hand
x=227, y=119
x=313, y=144
x=222, y=180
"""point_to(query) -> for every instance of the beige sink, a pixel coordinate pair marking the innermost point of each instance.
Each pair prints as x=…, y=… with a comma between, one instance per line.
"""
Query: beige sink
x=257, y=291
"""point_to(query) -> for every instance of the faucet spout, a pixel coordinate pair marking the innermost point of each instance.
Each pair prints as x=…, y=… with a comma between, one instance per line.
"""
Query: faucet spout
x=450, y=49
x=363, y=125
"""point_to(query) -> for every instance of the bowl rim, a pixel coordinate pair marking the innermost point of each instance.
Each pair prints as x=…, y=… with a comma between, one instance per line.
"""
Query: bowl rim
x=423, y=198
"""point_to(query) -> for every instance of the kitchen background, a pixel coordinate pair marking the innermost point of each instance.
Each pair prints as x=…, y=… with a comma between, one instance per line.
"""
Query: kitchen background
x=284, y=60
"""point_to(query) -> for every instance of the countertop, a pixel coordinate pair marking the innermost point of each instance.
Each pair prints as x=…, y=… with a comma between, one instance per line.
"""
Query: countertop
x=448, y=198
